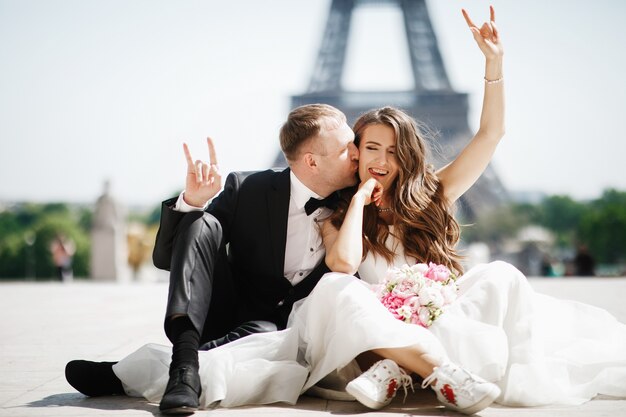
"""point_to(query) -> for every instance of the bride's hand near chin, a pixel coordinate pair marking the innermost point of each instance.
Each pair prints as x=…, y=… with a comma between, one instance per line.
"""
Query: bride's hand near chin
x=371, y=191
x=344, y=247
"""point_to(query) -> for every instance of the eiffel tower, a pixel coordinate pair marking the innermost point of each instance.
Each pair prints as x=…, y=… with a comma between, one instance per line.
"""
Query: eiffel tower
x=432, y=99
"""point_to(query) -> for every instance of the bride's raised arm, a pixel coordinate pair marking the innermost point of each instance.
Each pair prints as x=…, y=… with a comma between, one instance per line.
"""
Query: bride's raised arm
x=458, y=176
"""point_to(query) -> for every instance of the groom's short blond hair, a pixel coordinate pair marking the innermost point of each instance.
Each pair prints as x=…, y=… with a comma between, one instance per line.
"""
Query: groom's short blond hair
x=306, y=122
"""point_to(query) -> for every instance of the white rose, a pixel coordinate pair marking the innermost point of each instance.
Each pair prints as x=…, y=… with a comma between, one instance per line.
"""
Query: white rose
x=429, y=295
x=424, y=315
x=392, y=276
x=418, y=285
x=436, y=285
x=419, y=269
x=405, y=312
x=449, y=293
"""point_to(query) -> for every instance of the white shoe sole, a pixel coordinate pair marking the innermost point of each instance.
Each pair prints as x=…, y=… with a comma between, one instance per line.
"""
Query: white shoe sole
x=363, y=398
x=485, y=402
x=329, y=394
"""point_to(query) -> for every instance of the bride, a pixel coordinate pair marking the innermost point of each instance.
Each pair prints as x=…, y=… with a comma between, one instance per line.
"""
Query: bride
x=498, y=341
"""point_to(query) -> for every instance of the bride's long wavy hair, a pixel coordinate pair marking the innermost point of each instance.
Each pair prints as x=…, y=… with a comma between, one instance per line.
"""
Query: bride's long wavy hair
x=423, y=221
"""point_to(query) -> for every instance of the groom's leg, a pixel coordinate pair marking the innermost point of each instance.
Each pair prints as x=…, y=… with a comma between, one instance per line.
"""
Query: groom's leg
x=199, y=271
x=243, y=330
x=196, y=271
x=200, y=286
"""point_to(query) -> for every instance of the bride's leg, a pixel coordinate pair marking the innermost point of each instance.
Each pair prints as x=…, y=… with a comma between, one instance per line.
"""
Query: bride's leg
x=412, y=358
x=367, y=359
x=497, y=294
x=455, y=387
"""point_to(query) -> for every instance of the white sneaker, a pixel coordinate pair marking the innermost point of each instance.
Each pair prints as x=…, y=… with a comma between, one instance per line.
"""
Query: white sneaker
x=376, y=387
x=459, y=390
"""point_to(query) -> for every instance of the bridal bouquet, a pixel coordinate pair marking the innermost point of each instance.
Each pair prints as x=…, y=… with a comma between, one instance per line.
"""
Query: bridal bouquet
x=416, y=294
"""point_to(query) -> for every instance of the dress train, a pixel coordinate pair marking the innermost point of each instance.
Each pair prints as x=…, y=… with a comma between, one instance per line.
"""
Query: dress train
x=539, y=350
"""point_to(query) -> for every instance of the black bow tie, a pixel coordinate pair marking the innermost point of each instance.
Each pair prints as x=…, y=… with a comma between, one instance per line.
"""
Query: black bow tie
x=313, y=203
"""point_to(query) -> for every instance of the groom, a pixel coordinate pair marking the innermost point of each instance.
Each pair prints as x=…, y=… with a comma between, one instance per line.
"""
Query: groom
x=238, y=264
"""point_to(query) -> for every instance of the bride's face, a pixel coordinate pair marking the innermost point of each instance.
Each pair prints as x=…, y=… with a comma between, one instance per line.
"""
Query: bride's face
x=377, y=155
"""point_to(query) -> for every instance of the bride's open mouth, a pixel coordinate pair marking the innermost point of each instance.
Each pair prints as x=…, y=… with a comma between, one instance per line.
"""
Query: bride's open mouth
x=377, y=172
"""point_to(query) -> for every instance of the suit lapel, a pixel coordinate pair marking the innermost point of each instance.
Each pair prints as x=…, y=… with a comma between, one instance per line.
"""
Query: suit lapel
x=278, y=207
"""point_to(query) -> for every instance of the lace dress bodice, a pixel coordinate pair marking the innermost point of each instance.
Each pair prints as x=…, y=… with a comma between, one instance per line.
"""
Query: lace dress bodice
x=374, y=267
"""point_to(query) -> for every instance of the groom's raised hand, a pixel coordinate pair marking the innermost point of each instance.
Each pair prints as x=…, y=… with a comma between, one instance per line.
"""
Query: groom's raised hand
x=203, y=180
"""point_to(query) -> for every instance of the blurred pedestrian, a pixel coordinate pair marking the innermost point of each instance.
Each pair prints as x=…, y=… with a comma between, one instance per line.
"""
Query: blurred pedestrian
x=584, y=264
x=63, y=249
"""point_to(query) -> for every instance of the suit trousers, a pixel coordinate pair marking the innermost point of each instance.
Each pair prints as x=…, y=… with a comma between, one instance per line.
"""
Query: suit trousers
x=201, y=285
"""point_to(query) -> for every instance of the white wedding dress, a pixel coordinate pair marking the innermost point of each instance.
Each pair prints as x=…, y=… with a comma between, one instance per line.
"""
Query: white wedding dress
x=539, y=350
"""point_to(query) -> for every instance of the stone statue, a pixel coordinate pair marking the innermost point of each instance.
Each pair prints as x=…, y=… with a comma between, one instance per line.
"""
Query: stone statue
x=108, y=240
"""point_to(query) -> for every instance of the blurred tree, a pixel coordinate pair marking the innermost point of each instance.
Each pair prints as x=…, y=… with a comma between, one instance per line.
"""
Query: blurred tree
x=154, y=217
x=8, y=223
x=84, y=219
x=13, y=257
x=148, y=217
x=527, y=213
x=603, y=227
x=600, y=225
x=495, y=226
x=561, y=215
x=26, y=232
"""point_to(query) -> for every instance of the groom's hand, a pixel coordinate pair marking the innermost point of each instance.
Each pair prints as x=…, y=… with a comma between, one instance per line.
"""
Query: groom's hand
x=203, y=180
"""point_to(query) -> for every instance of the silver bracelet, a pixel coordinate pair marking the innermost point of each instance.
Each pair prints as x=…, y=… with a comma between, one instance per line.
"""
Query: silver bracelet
x=499, y=80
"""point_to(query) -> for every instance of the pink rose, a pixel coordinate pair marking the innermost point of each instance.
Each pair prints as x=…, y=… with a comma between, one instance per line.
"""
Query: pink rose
x=403, y=288
x=392, y=301
x=416, y=320
x=416, y=294
x=412, y=302
x=437, y=272
x=405, y=313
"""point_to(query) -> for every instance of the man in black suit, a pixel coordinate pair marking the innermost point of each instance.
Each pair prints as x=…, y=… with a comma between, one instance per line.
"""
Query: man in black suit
x=238, y=264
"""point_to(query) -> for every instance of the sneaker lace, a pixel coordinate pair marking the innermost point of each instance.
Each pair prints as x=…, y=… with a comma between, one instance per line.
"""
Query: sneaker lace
x=405, y=381
x=430, y=378
x=461, y=387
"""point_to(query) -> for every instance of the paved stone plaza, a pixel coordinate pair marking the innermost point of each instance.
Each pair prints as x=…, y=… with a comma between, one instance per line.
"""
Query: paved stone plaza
x=44, y=325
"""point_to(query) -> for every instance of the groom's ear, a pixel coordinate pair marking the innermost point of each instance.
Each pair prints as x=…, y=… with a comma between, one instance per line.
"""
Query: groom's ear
x=309, y=160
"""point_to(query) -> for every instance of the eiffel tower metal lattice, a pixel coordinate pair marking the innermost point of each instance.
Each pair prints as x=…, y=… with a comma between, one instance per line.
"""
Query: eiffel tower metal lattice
x=431, y=101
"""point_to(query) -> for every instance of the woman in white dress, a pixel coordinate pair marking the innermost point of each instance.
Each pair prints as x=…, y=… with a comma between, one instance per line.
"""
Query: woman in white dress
x=410, y=221
x=533, y=349
x=537, y=350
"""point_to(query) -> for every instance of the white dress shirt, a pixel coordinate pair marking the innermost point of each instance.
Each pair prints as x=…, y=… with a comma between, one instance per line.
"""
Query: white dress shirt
x=304, y=249
x=183, y=207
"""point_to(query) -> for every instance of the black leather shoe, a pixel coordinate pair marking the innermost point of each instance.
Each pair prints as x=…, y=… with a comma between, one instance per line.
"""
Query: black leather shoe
x=182, y=394
x=94, y=379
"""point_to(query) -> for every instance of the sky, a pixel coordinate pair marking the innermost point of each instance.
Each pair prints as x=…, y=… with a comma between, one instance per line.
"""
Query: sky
x=96, y=90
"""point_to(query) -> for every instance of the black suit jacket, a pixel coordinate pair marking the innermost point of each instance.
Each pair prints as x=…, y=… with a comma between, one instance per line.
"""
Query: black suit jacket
x=252, y=210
